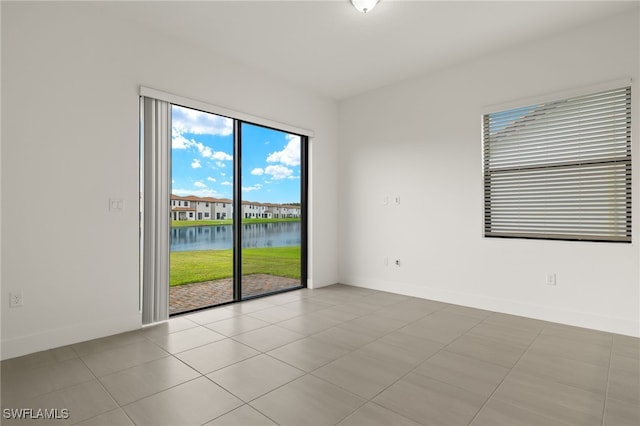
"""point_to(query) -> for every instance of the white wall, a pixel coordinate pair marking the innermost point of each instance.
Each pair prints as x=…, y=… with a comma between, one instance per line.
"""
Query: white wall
x=421, y=140
x=70, y=80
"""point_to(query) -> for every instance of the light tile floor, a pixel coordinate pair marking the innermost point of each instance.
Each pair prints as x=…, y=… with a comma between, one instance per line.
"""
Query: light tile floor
x=338, y=355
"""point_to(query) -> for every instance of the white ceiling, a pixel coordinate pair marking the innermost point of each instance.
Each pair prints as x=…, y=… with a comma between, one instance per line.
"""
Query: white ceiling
x=330, y=48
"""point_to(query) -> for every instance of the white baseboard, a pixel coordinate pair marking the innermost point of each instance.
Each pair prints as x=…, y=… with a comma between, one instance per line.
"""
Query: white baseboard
x=311, y=284
x=53, y=338
x=589, y=320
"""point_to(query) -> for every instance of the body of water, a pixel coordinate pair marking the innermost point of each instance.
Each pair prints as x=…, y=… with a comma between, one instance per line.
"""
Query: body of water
x=220, y=237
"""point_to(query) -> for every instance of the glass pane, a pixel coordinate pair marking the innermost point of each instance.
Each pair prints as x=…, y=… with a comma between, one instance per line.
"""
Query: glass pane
x=201, y=266
x=271, y=210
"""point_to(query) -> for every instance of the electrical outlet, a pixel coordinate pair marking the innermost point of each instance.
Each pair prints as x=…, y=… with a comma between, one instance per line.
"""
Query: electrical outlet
x=16, y=299
x=551, y=279
x=397, y=262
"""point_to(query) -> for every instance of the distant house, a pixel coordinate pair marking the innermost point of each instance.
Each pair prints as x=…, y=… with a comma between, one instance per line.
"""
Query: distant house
x=222, y=208
x=291, y=211
x=208, y=208
x=181, y=208
x=190, y=208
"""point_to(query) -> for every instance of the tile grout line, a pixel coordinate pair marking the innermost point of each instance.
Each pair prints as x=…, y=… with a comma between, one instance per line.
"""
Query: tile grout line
x=305, y=373
x=376, y=311
x=366, y=400
x=606, y=390
x=371, y=400
x=97, y=379
x=169, y=355
x=443, y=348
x=507, y=375
x=255, y=408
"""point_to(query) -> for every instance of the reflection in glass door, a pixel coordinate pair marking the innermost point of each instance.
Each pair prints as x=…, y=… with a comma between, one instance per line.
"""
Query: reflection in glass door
x=270, y=210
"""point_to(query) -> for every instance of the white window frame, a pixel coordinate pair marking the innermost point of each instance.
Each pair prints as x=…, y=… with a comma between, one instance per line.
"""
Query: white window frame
x=523, y=163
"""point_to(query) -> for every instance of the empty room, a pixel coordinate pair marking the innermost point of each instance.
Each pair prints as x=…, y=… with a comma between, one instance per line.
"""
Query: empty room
x=338, y=212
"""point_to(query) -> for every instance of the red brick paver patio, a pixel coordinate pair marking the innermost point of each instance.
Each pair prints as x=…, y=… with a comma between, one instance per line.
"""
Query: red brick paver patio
x=187, y=297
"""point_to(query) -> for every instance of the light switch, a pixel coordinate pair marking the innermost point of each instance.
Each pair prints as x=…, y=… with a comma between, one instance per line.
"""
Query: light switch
x=116, y=204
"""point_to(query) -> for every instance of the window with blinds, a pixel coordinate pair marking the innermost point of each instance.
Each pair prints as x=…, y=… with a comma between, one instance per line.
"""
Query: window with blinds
x=560, y=170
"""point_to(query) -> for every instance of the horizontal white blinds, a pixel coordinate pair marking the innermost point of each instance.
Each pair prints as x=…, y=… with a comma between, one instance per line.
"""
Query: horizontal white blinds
x=560, y=170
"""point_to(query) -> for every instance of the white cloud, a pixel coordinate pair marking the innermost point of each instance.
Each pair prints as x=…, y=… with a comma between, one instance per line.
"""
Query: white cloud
x=187, y=120
x=222, y=174
x=220, y=164
x=290, y=155
x=196, y=163
x=220, y=155
x=180, y=142
x=204, y=150
x=257, y=171
x=255, y=187
x=199, y=184
x=211, y=179
x=226, y=183
x=278, y=172
x=205, y=192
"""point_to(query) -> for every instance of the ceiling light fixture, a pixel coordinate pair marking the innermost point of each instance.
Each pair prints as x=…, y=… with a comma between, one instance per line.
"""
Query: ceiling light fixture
x=364, y=6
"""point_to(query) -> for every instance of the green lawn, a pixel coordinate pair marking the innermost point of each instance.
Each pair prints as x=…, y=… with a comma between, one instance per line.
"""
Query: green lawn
x=182, y=223
x=206, y=265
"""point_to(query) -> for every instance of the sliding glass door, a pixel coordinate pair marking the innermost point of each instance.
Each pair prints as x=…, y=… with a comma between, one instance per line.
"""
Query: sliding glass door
x=237, y=202
x=201, y=234
x=271, y=210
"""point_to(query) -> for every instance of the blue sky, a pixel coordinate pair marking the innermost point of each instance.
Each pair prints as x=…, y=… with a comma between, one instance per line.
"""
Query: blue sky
x=202, y=159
